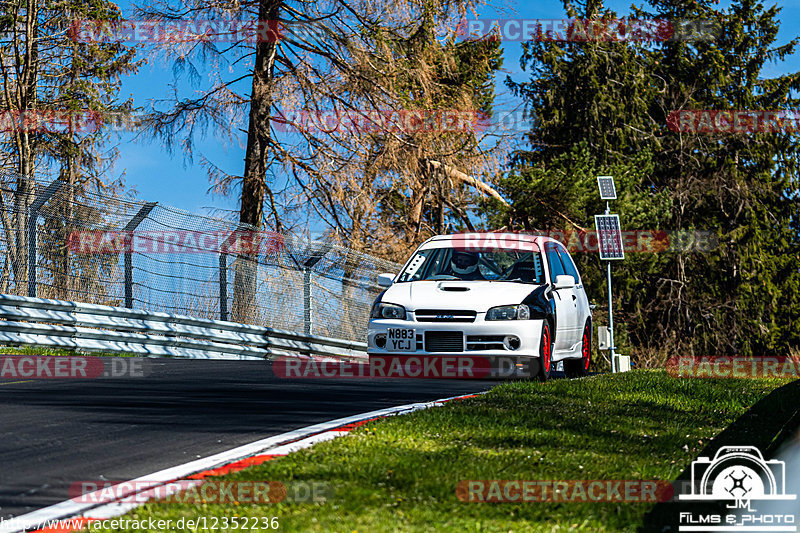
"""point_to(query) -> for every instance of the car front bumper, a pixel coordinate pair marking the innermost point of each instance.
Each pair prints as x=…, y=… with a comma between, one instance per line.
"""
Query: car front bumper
x=479, y=338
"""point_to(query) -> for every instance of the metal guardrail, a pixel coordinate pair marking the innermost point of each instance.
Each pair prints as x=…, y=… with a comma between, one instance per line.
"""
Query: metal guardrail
x=94, y=243
x=101, y=328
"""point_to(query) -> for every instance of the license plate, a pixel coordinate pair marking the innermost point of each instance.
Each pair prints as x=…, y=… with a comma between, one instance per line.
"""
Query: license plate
x=401, y=340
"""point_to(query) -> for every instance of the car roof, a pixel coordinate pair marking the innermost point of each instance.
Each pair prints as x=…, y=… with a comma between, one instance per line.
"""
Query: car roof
x=487, y=239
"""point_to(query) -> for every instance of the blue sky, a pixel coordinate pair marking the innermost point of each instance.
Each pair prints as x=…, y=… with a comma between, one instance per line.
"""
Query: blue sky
x=170, y=179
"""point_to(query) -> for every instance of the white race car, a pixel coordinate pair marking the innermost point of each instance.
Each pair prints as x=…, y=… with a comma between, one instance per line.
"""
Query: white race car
x=492, y=295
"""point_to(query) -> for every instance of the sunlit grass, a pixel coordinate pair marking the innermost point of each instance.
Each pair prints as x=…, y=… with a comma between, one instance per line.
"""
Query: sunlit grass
x=401, y=473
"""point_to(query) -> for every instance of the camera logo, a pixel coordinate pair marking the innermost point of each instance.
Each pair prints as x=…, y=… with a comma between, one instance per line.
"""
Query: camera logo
x=737, y=476
x=737, y=473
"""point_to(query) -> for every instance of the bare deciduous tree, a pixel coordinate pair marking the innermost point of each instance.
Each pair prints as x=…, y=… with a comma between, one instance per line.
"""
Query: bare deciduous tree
x=50, y=81
x=334, y=58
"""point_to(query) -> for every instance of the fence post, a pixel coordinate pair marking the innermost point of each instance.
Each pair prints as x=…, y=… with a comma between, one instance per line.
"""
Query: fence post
x=307, y=300
x=131, y=226
x=33, y=214
x=223, y=286
x=315, y=256
x=223, y=270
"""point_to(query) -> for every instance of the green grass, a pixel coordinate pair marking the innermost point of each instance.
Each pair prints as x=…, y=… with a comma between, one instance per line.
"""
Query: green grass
x=61, y=352
x=400, y=473
x=37, y=350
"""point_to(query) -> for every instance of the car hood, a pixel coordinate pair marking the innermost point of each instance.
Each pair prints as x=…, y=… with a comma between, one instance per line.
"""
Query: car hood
x=453, y=295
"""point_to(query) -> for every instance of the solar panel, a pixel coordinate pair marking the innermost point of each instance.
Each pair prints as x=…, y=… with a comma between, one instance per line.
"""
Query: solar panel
x=609, y=237
x=607, y=189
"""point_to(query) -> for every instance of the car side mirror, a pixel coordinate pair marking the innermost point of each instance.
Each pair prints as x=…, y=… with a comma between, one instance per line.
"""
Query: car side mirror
x=385, y=280
x=564, y=281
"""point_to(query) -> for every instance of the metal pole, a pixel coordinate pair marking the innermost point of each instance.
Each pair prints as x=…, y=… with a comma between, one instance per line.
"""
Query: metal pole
x=223, y=269
x=129, y=227
x=314, y=257
x=32, y=254
x=223, y=286
x=610, y=309
x=128, y=280
x=610, y=319
x=33, y=214
x=307, y=300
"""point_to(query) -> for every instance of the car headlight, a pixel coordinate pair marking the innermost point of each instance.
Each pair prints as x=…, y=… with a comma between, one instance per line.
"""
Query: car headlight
x=384, y=310
x=509, y=312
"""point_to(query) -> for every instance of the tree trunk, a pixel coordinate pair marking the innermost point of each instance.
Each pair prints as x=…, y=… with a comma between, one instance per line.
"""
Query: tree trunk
x=27, y=100
x=254, y=187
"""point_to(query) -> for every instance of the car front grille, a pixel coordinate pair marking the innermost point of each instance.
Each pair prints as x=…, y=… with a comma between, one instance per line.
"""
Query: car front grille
x=444, y=341
x=444, y=315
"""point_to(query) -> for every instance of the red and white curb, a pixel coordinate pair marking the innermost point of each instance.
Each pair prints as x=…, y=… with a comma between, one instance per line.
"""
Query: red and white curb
x=216, y=465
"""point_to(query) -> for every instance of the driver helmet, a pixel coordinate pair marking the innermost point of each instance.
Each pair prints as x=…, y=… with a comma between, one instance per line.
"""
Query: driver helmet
x=464, y=262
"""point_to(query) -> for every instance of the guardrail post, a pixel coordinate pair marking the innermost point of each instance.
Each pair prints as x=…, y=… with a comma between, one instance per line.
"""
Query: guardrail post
x=131, y=226
x=33, y=214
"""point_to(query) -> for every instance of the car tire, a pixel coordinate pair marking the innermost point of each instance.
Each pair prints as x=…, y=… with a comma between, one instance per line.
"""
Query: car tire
x=545, y=354
x=578, y=368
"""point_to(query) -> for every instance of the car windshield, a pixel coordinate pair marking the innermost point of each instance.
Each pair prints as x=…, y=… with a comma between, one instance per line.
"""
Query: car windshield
x=494, y=265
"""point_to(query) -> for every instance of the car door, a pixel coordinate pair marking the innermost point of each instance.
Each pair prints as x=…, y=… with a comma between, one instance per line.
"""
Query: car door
x=582, y=310
x=565, y=300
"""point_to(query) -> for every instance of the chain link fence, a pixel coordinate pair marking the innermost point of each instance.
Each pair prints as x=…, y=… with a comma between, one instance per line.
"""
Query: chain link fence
x=95, y=243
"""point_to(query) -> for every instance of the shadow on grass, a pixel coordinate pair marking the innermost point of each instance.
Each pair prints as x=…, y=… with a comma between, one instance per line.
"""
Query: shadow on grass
x=767, y=425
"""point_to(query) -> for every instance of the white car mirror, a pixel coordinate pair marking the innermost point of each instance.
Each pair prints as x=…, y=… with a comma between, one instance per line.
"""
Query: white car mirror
x=385, y=280
x=564, y=281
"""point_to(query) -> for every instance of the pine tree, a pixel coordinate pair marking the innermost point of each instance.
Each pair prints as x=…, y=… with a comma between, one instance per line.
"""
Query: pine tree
x=602, y=108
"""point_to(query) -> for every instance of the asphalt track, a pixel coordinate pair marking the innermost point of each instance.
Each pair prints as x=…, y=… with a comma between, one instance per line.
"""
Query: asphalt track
x=56, y=432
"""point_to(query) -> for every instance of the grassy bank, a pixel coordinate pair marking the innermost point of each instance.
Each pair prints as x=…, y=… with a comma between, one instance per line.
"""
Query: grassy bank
x=401, y=473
